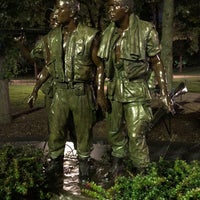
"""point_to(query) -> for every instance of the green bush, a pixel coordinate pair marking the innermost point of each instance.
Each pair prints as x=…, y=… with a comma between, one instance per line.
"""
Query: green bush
x=21, y=173
x=176, y=180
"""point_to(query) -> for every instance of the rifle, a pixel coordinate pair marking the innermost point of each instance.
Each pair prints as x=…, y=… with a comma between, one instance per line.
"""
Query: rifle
x=161, y=112
x=178, y=91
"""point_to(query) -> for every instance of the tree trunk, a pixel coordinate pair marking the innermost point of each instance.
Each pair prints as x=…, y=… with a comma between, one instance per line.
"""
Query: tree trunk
x=167, y=39
x=5, y=116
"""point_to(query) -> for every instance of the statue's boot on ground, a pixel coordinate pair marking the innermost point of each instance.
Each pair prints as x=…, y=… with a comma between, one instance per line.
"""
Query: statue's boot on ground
x=54, y=172
x=117, y=169
x=84, y=170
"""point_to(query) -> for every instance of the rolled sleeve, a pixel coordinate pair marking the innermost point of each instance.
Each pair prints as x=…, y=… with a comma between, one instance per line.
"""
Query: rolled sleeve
x=38, y=51
x=153, y=44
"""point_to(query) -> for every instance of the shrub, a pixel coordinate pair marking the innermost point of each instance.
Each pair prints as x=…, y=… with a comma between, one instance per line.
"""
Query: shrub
x=21, y=173
x=164, y=180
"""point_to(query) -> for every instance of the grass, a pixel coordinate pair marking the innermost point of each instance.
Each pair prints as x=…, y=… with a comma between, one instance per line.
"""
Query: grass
x=192, y=83
x=19, y=95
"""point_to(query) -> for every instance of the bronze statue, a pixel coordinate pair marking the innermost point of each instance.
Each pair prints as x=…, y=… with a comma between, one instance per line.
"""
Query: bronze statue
x=40, y=55
x=128, y=45
x=72, y=63
x=37, y=57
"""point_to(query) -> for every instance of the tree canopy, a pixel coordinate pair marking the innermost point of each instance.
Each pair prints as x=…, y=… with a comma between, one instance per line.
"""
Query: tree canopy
x=29, y=17
x=188, y=15
x=15, y=19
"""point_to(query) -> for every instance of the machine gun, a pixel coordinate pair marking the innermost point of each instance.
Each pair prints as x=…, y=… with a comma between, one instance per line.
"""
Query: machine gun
x=161, y=112
x=178, y=91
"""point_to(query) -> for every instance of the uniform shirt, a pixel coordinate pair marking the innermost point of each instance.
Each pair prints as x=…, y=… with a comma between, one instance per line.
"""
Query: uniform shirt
x=128, y=82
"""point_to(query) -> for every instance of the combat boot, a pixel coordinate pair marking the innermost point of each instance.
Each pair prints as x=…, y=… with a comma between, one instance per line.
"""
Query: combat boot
x=117, y=168
x=84, y=170
x=55, y=166
x=54, y=173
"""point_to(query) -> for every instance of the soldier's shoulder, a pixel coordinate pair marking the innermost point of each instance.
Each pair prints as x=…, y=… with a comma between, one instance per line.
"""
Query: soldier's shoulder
x=54, y=31
x=86, y=29
x=146, y=23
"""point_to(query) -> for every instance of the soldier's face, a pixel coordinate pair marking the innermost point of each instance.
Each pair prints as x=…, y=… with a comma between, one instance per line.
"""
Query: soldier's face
x=64, y=12
x=53, y=19
x=116, y=10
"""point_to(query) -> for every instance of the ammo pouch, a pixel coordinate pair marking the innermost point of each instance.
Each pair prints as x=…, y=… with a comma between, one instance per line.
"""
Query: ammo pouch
x=79, y=89
x=135, y=69
x=47, y=87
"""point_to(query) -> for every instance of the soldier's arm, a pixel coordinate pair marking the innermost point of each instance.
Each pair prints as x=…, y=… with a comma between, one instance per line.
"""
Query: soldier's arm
x=160, y=76
x=25, y=52
x=42, y=77
x=100, y=76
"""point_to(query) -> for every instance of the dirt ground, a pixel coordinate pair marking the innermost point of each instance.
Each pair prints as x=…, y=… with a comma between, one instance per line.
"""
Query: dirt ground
x=184, y=126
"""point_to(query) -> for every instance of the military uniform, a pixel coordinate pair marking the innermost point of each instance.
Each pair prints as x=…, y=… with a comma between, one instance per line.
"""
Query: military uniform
x=128, y=89
x=41, y=56
x=73, y=73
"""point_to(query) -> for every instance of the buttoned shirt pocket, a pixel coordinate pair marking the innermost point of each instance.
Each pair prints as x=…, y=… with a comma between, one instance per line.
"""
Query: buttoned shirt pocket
x=136, y=69
x=79, y=50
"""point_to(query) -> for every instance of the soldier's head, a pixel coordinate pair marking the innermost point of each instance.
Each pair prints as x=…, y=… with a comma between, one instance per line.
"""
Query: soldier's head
x=67, y=10
x=118, y=9
x=53, y=18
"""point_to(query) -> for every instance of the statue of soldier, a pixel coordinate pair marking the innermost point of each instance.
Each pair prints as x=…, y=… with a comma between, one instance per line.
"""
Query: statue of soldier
x=72, y=63
x=128, y=43
x=38, y=56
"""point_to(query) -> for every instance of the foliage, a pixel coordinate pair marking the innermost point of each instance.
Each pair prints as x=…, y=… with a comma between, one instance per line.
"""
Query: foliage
x=163, y=180
x=187, y=23
x=31, y=14
x=94, y=13
x=188, y=12
x=15, y=17
x=21, y=173
x=26, y=13
x=12, y=65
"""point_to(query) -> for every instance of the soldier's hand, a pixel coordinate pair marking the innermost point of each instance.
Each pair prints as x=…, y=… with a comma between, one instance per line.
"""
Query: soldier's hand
x=168, y=104
x=31, y=99
x=104, y=103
